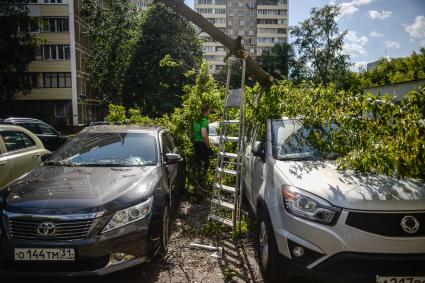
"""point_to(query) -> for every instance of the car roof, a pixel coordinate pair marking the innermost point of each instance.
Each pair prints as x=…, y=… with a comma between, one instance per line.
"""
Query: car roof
x=22, y=119
x=122, y=129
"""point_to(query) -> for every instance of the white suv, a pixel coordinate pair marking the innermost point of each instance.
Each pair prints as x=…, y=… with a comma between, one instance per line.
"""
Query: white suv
x=333, y=226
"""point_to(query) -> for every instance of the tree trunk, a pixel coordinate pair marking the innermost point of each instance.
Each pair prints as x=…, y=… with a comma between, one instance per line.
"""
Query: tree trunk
x=234, y=45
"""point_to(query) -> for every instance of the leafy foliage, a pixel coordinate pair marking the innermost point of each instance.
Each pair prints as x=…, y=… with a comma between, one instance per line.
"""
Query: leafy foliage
x=17, y=47
x=276, y=61
x=395, y=70
x=157, y=89
x=373, y=134
x=318, y=44
x=114, y=30
x=180, y=122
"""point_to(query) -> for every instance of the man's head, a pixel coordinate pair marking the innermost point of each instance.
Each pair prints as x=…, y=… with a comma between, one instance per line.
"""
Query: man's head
x=205, y=109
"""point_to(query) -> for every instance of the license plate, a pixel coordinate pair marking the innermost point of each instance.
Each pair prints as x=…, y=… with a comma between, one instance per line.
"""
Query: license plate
x=396, y=279
x=44, y=254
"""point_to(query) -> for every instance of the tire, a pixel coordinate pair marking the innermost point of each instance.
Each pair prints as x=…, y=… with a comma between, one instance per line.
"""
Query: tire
x=267, y=250
x=165, y=232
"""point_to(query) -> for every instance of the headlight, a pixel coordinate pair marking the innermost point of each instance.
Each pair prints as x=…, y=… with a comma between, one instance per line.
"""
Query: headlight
x=308, y=206
x=129, y=215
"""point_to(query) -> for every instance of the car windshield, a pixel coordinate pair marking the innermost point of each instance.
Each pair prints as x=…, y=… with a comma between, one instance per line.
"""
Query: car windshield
x=107, y=149
x=291, y=141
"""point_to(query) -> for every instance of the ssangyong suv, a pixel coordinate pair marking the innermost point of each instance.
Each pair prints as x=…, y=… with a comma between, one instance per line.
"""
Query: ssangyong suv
x=329, y=225
x=101, y=203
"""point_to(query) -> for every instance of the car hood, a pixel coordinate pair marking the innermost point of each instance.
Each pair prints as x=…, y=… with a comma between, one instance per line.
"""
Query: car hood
x=351, y=190
x=57, y=190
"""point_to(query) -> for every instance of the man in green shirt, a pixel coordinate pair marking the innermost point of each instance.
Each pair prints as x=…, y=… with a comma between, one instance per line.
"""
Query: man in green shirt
x=202, y=142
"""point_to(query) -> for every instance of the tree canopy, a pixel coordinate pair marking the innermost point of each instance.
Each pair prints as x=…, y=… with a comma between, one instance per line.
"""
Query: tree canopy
x=277, y=60
x=150, y=85
x=114, y=30
x=395, y=70
x=17, y=47
x=318, y=44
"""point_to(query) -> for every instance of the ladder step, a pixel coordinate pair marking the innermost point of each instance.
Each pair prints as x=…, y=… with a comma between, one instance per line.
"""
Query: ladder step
x=228, y=122
x=228, y=155
x=227, y=171
x=230, y=139
x=224, y=188
x=222, y=220
x=223, y=203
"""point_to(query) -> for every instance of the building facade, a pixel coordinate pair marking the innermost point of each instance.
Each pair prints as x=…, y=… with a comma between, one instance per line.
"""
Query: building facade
x=262, y=24
x=60, y=88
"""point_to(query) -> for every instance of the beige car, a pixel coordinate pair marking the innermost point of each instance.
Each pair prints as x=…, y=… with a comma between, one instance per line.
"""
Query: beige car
x=20, y=152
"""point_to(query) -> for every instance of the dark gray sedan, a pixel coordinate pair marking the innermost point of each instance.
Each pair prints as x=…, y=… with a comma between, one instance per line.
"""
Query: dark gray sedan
x=101, y=203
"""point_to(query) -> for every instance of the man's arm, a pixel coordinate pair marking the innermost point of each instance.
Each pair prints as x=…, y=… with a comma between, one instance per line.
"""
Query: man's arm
x=204, y=133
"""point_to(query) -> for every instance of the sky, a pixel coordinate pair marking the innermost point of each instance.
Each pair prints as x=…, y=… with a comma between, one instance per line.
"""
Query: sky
x=376, y=28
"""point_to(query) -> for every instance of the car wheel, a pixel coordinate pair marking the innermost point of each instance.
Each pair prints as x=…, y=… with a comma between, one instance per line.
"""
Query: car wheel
x=165, y=232
x=267, y=249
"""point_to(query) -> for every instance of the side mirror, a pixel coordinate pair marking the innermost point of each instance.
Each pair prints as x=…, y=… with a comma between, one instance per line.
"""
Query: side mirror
x=172, y=158
x=258, y=149
x=45, y=156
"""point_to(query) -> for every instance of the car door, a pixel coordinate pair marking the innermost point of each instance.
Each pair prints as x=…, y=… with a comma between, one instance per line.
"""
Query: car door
x=181, y=166
x=21, y=155
x=166, y=147
x=256, y=165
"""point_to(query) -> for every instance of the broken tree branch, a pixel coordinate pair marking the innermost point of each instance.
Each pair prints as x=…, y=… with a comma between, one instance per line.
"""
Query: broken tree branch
x=234, y=45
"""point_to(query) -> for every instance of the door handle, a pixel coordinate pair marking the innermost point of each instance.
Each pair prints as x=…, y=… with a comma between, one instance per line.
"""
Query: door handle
x=35, y=155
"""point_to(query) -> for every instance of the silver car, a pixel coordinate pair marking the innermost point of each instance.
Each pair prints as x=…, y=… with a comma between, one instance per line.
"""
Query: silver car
x=20, y=152
x=329, y=225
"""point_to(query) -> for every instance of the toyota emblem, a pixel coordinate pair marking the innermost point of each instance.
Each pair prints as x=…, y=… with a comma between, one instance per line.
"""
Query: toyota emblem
x=410, y=224
x=46, y=229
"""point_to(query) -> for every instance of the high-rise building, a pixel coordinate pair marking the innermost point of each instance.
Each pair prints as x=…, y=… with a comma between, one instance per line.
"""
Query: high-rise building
x=261, y=23
x=60, y=88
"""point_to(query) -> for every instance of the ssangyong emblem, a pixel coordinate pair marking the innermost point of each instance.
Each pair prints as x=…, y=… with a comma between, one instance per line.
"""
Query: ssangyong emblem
x=410, y=224
x=46, y=229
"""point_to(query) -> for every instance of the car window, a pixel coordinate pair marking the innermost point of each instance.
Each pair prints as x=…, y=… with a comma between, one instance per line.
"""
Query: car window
x=166, y=145
x=47, y=130
x=33, y=127
x=108, y=149
x=14, y=140
x=172, y=143
x=27, y=140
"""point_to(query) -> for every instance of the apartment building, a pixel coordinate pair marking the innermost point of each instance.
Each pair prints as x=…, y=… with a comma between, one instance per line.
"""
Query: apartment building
x=261, y=23
x=61, y=92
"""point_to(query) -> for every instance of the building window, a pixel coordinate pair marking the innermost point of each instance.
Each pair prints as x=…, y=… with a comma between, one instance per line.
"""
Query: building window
x=56, y=80
x=271, y=12
x=205, y=11
x=53, y=2
x=32, y=80
x=251, y=32
x=251, y=14
x=220, y=11
x=251, y=23
x=31, y=1
x=241, y=23
x=56, y=52
x=220, y=2
x=208, y=48
x=240, y=4
x=241, y=14
x=205, y=2
x=251, y=5
x=55, y=25
x=60, y=110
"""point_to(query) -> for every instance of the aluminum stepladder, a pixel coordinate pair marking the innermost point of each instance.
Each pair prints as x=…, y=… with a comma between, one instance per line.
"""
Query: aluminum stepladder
x=228, y=184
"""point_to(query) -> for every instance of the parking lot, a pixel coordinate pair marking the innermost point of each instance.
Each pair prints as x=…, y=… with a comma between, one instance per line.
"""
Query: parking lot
x=185, y=264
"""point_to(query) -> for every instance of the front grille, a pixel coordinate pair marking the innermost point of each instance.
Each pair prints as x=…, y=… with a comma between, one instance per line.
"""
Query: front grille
x=386, y=224
x=65, y=230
